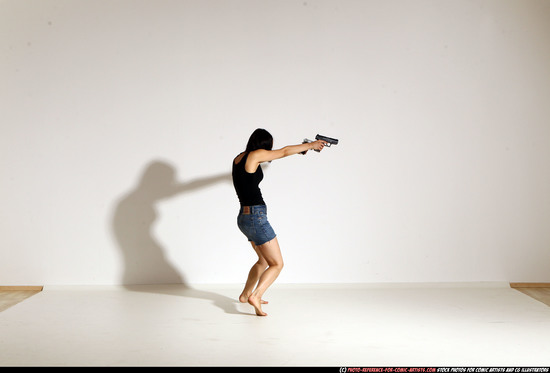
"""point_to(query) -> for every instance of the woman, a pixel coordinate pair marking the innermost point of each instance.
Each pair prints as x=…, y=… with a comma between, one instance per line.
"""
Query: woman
x=252, y=219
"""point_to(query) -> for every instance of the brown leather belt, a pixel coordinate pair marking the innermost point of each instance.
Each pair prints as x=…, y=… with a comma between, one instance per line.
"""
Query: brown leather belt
x=246, y=210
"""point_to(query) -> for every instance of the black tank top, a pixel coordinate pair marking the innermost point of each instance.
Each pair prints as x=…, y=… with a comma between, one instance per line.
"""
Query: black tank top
x=247, y=184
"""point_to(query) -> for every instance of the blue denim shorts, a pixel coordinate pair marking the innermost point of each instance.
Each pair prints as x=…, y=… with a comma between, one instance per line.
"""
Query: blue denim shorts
x=252, y=221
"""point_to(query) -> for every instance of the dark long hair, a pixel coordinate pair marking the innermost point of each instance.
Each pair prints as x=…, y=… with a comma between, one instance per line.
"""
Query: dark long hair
x=260, y=139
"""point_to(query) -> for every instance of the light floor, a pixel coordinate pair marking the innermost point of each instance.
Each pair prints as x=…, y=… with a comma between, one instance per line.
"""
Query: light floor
x=307, y=325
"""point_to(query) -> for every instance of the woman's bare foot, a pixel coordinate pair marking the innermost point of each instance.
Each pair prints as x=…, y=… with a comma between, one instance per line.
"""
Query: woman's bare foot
x=257, y=305
x=244, y=299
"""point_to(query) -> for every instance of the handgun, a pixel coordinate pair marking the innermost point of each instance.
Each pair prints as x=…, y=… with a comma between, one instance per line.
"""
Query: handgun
x=329, y=140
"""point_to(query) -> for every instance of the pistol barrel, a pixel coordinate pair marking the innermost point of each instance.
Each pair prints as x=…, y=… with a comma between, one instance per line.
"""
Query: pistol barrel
x=327, y=139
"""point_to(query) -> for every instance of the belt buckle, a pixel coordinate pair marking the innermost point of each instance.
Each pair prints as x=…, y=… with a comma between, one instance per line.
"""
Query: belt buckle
x=246, y=210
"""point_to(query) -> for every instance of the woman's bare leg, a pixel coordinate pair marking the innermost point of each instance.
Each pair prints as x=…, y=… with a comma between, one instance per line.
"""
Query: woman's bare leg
x=253, y=276
x=271, y=252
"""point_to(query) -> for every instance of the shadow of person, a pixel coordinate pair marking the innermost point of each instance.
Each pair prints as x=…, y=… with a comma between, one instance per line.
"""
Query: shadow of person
x=227, y=304
x=144, y=258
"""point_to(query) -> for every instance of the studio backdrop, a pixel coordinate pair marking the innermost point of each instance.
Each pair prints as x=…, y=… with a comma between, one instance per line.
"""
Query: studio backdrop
x=120, y=119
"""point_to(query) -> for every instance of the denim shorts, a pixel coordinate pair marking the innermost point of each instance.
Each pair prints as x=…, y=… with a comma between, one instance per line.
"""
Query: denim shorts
x=255, y=225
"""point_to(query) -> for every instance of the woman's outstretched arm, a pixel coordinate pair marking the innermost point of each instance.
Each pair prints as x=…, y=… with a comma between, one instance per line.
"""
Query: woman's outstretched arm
x=261, y=155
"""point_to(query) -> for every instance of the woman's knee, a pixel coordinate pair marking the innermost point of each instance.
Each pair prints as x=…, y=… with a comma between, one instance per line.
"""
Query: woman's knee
x=276, y=263
x=262, y=263
x=271, y=252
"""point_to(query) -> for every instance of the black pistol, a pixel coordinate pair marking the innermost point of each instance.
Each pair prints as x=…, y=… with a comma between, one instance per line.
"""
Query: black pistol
x=329, y=140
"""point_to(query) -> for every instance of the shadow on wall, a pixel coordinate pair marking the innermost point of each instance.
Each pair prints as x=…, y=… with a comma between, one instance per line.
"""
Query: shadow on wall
x=144, y=258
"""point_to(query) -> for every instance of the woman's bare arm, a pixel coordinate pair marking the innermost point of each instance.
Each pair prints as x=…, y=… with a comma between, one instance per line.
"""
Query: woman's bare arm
x=261, y=155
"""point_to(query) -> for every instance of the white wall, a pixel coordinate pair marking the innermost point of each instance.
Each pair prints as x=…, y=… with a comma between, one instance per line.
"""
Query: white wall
x=108, y=107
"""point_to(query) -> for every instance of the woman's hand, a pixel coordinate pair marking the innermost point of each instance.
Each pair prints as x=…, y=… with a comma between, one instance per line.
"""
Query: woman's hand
x=317, y=145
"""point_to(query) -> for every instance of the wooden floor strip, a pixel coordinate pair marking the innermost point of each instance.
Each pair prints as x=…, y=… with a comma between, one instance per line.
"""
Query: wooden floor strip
x=536, y=290
x=21, y=288
x=529, y=285
x=9, y=298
